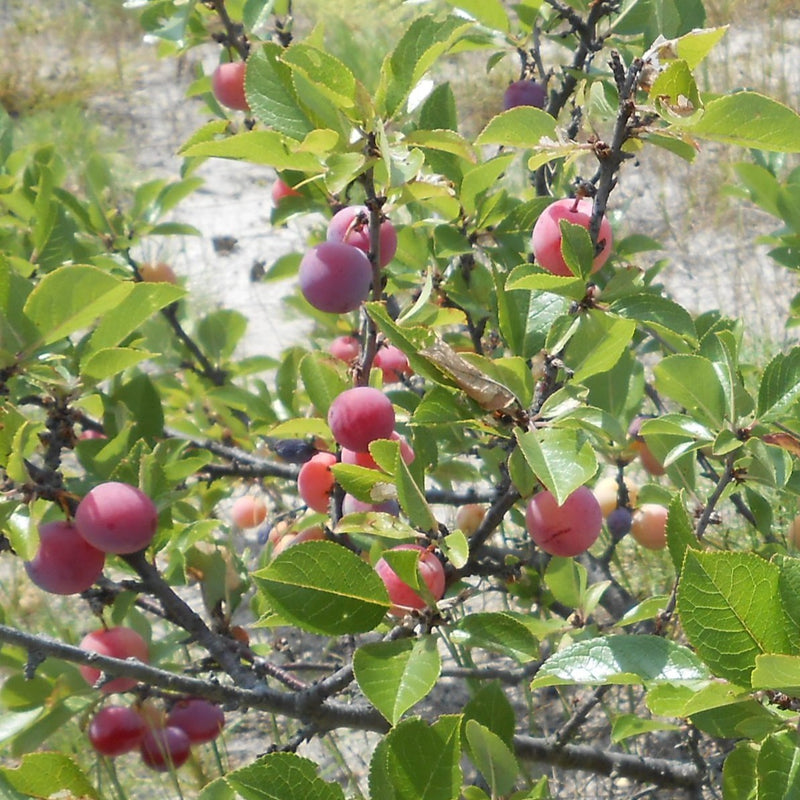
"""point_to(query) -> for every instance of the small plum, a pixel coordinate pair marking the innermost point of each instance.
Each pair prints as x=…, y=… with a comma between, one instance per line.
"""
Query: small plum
x=650, y=463
x=165, y=749
x=567, y=529
x=546, y=236
x=227, y=84
x=345, y=348
x=392, y=362
x=248, y=511
x=157, y=272
x=314, y=533
x=524, y=93
x=469, y=518
x=65, y=563
x=352, y=505
x=359, y=416
x=649, y=526
x=335, y=277
x=619, y=521
x=281, y=189
x=117, y=518
x=351, y=225
x=315, y=481
x=115, y=730
x=401, y=595
x=118, y=642
x=606, y=489
x=200, y=719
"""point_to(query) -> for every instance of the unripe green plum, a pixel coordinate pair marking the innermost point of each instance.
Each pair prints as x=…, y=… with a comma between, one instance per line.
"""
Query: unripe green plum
x=568, y=529
x=546, y=236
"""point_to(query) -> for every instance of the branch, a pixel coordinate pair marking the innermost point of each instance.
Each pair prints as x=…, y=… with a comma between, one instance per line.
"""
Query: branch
x=661, y=771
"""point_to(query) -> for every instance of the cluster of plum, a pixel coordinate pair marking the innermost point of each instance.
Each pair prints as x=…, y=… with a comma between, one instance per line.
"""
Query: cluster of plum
x=113, y=518
x=164, y=739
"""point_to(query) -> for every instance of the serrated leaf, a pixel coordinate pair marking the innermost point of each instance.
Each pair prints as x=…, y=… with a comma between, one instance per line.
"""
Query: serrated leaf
x=323, y=380
x=110, y=361
x=492, y=709
x=271, y=93
x=142, y=301
x=750, y=119
x=778, y=767
x=779, y=390
x=523, y=126
x=789, y=586
x=492, y=757
x=488, y=12
x=282, y=776
x=329, y=75
x=778, y=673
x=577, y=248
x=324, y=588
x=71, y=298
x=455, y=546
x=558, y=458
x=396, y=675
x=667, y=318
x=680, y=533
x=417, y=761
x=424, y=41
x=692, y=382
x=498, y=633
x=621, y=659
x=270, y=148
x=45, y=774
x=444, y=140
x=731, y=612
x=739, y=773
x=626, y=726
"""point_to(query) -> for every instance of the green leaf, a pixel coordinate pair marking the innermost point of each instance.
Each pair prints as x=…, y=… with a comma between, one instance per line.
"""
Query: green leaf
x=142, y=301
x=577, y=248
x=455, y=547
x=778, y=767
x=675, y=93
x=789, y=586
x=669, y=320
x=750, y=119
x=492, y=709
x=445, y=140
x=45, y=774
x=322, y=379
x=282, y=776
x=71, y=298
x=621, y=659
x=324, y=588
x=425, y=40
x=417, y=761
x=111, y=361
x=409, y=494
x=776, y=672
x=731, y=612
x=396, y=675
x=329, y=75
x=498, y=633
x=488, y=12
x=680, y=532
x=271, y=94
x=627, y=725
x=692, y=382
x=558, y=458
x=598, y=345
x=491, y=756
x=523, y=126
x=779, y=391
x=739, y=773
x=567, y=580
x=270, y=148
